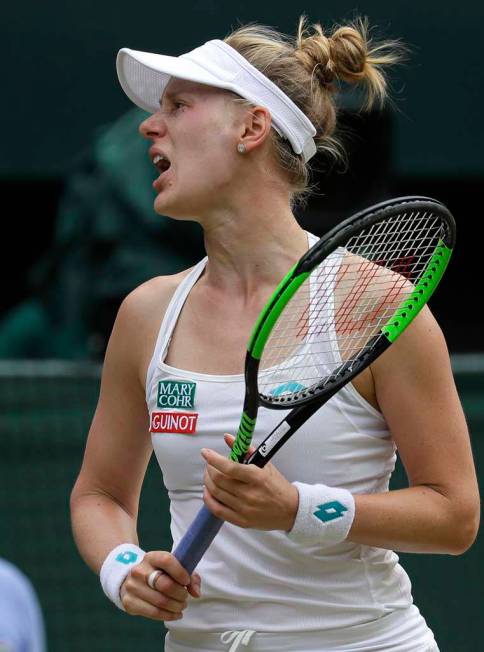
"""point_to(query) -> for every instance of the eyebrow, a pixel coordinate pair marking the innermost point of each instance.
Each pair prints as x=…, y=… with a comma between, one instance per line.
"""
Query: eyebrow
x=170, y=96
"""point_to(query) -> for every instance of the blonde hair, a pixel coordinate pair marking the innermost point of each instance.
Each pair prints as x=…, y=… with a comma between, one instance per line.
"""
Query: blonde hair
x=309, y=69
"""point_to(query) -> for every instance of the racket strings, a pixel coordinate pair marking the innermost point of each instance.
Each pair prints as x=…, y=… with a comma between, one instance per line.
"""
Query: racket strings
x=392, y=245
x=338, y=313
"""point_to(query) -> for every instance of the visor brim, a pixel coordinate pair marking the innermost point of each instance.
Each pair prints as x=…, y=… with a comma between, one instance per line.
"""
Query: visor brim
x=145, y=75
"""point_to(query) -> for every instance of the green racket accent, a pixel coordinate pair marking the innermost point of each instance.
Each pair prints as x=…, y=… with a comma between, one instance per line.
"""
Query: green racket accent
x=271, y=312
x=260, y=333
x=424, y=288
x=268, y=307
x=244, y=437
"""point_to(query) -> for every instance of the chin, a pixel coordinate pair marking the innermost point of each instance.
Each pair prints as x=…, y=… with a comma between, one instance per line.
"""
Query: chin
x=174, y=213
x=170, y=208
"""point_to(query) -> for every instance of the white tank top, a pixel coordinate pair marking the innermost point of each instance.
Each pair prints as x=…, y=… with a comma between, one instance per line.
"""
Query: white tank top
x=262, y=580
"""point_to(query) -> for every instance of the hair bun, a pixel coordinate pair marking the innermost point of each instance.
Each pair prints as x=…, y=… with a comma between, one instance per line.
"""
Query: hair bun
x=306, y=67
x=349, y=49
x=315, y=54
x=348, y=54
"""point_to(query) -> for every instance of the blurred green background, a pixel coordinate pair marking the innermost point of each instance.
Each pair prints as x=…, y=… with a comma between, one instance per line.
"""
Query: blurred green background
x=76, y=180
x=80, y=233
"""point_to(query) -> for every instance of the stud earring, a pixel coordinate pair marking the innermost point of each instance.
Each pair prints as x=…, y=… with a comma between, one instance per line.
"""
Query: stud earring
x=241, y=148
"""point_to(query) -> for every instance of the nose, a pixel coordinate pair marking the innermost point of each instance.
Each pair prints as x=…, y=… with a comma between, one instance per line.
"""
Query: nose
x=154, y=126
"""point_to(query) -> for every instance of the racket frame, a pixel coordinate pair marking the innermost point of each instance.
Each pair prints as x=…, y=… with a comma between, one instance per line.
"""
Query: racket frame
x=403, y=316
x=205, y=526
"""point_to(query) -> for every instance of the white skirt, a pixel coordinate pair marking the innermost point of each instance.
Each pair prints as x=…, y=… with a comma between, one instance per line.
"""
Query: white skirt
x=387, y=634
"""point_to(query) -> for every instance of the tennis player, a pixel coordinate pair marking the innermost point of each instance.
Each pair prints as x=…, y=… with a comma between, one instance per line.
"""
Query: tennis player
x=233, y=126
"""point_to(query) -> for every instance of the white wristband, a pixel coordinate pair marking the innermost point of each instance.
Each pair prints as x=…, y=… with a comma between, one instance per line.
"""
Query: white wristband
x=116, y=567
x=324, y=516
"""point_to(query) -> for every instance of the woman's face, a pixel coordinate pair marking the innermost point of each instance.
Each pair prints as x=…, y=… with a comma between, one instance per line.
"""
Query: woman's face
x=196, y=129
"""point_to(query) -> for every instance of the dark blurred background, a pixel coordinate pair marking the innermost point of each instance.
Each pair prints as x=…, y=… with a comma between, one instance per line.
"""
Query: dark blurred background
x=80, y=233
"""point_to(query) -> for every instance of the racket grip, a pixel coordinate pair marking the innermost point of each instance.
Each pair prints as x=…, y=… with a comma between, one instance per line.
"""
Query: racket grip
x=196, y=540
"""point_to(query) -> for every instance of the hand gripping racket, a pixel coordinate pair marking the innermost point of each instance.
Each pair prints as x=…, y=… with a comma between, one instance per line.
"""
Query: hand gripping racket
x=338, y=309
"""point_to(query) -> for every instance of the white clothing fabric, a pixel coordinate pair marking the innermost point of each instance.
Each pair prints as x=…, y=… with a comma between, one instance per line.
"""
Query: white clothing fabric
x=116, y=567
x=393, y=632
x=21, y=621
x=261, y=580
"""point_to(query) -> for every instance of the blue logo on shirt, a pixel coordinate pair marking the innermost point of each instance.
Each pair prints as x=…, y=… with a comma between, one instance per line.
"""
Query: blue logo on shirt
x=287, y=388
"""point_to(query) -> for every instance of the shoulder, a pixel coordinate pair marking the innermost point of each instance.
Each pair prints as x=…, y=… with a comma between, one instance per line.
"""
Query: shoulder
x=138, y=321
x=152, y=296
x=414, y=381
x=419, y=351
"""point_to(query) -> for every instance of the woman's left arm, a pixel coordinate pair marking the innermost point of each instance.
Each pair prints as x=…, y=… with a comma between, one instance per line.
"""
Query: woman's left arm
x=439, y=511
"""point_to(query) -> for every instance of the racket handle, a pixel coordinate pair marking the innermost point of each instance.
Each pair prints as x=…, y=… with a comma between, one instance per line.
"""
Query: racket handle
x=197, y=539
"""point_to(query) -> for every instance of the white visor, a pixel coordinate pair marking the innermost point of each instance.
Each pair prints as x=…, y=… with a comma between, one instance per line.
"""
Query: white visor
x=144, y=76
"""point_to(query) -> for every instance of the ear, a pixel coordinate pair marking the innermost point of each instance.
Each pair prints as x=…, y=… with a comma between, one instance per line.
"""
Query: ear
x=256, y=127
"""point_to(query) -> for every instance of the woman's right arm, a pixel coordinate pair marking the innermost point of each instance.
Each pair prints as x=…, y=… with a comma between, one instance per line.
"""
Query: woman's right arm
x=105, y=497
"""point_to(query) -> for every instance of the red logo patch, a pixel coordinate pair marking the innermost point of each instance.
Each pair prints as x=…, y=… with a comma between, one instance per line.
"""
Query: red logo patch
x=174, y=422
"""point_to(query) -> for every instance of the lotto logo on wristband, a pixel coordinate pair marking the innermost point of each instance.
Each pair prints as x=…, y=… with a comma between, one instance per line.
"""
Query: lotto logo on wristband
x=127, y=557
x=174, y=422
x=329, y=511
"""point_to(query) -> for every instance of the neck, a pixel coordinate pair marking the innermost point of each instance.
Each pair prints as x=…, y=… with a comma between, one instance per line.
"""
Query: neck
x=252, y=248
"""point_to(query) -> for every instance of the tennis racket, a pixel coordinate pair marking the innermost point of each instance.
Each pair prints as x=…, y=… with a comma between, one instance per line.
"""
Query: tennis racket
x=336, y=311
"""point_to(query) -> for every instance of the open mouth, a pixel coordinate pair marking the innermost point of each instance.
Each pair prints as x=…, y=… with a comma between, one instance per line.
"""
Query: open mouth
x=161, y=163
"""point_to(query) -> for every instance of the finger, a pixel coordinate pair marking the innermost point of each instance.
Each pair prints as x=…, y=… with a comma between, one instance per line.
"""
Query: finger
x=165, y=585
x=228, y=484
x=138, y=607
x=169, y=564
x=222, y=511
x=242, y=472
x=230, y=439
x=156, y=598
x=222, y=495
x=194, y=588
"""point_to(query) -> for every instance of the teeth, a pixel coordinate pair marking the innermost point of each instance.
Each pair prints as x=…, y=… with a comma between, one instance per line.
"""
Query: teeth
x=158, y=158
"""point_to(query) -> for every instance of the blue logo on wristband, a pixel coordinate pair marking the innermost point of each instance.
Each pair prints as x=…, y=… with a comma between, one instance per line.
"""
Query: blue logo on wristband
x=329, y=511
x=127, y=557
